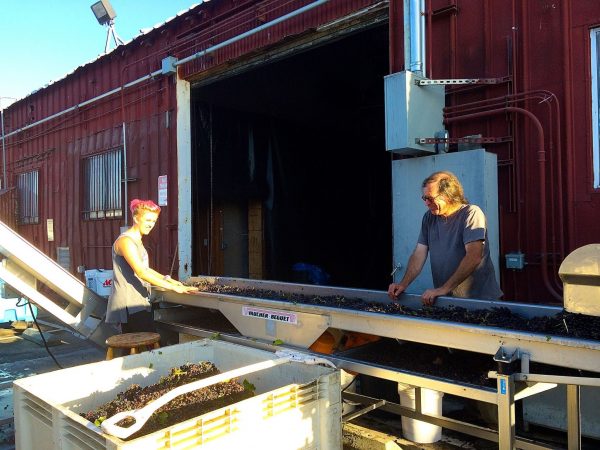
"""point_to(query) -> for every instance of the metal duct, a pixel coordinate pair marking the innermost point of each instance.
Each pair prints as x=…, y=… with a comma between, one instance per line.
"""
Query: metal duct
x=414, y=36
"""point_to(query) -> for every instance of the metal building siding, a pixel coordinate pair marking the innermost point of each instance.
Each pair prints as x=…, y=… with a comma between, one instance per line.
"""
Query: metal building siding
x=215, y=31
x=469, y=39
x=151, y=146
x=94, y=129
x=472, y=39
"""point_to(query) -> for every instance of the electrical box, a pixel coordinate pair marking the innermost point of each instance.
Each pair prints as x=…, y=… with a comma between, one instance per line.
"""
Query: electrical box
x=412, y=112
x=168, y=65
x=515, y=261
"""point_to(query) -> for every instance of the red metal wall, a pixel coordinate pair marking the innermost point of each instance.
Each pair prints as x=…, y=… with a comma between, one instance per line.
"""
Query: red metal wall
x=56, y=148
x=538, y=50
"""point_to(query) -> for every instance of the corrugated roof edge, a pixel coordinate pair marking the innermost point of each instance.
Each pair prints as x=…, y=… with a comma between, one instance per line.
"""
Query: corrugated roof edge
x=143, y=32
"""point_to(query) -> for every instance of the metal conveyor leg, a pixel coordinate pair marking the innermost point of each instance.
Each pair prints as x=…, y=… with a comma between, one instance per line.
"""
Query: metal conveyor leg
x=506, y=412
x=573, y=417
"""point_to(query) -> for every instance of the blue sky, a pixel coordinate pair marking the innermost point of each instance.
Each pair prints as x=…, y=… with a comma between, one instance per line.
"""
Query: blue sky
x=43, y=40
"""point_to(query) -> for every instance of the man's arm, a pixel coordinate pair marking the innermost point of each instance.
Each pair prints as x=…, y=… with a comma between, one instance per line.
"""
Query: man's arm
x=472, y=258
x=415, y=265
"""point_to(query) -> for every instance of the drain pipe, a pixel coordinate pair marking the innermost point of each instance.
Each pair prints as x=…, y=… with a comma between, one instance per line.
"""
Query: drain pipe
x=542, y=180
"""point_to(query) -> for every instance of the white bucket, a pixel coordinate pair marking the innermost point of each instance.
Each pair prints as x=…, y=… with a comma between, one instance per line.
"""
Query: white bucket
x=348, y=386
x=431, y=404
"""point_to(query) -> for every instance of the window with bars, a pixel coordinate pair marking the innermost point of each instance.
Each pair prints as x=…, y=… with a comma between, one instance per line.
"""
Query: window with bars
x=102, y=196
x=27, y=187
x=595, y=71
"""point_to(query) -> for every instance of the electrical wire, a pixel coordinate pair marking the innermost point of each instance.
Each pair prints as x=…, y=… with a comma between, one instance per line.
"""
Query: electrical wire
x=28, y=303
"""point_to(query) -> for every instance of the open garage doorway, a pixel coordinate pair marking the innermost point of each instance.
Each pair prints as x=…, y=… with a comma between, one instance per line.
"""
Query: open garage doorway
x=291, y=180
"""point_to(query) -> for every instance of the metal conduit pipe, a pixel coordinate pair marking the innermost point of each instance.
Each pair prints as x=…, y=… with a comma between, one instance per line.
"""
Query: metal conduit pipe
x=546, y=97
x=3, y=149
x=554, y=128
x=154, y=74
x=422, y=37
x=258, y=29
x=567, y=52
x=159, y=72
x=542, y=179
x=85, y=103
x=414, y=36
x=208, y=30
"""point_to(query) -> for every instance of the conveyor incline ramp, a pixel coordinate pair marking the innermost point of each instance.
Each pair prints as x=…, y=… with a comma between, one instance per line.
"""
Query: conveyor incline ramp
x=24, y=267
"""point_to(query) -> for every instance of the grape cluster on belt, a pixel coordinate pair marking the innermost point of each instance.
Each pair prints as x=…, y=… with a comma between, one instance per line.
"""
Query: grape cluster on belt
x=562, y=324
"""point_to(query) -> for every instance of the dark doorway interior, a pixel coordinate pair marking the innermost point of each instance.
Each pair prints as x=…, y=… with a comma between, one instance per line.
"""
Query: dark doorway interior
x=290, y=167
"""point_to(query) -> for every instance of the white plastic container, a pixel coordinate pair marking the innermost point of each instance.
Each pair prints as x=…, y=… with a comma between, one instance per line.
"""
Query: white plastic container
x=295, y=406
x=431, y=404
x=13, y=309
x=100, y=281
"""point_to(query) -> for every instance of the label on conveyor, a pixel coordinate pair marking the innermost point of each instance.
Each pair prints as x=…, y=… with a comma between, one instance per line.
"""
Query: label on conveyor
x=271, y=314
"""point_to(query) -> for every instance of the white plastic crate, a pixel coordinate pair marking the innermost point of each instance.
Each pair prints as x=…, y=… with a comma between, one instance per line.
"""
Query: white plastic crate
x=296, y=406
x=100, y=281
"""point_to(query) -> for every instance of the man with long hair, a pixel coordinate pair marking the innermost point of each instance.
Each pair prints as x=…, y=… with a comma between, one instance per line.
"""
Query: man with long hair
x=454, y=234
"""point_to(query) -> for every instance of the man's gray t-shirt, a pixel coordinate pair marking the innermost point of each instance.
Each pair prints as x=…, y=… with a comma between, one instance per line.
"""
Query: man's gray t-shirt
x=446, y=238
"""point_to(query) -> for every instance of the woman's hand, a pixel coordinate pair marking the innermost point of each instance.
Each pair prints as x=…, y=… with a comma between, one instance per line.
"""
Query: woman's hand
x=172, y=281
x=182, y=289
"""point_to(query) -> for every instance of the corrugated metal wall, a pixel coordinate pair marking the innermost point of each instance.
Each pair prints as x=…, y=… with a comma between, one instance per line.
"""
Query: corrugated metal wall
x=58, y=147
x=538, y=49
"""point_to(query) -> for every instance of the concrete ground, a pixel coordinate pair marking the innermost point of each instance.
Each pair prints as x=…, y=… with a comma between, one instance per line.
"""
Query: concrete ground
x=22, y=354
x=377, y=433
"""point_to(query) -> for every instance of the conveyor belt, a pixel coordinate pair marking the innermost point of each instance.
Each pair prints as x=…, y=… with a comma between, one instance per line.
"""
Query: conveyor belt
x=300, y=324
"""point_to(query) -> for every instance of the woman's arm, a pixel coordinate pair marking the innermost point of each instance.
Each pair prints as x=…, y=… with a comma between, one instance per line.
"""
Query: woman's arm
x=126, y=247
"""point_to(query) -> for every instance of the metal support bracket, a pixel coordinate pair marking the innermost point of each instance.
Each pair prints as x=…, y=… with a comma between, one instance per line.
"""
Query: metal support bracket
x=463, y=140
x=507, y=360
x=365, y=410
x=507, y=356
x=457, y=81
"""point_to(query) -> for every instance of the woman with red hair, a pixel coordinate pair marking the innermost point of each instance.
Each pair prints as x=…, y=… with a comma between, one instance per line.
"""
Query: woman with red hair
x=129, y=303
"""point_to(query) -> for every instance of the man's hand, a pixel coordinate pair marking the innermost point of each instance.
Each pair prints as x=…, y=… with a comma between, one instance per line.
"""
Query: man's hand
x=429, y=296
x=395, y=290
